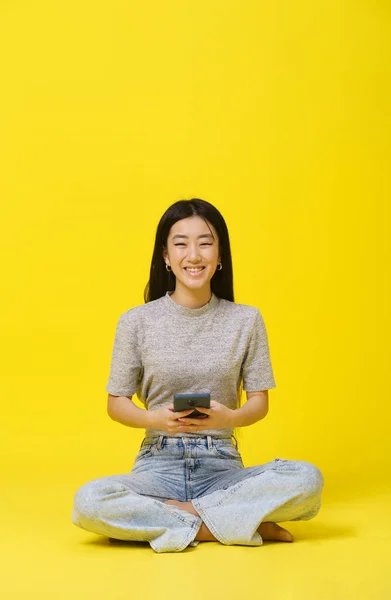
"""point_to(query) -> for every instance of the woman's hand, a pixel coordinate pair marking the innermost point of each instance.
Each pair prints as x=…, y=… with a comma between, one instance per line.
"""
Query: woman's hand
x=165, y=419
x=219, y=417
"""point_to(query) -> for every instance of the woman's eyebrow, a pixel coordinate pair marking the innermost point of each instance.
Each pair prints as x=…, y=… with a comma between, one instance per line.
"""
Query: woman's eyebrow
x=181, y=235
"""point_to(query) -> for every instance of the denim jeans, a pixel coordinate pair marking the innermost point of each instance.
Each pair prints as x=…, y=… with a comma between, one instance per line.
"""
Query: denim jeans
x=231, y=499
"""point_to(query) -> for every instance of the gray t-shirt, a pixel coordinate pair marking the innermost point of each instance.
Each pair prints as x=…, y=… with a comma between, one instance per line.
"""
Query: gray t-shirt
x=162, y=348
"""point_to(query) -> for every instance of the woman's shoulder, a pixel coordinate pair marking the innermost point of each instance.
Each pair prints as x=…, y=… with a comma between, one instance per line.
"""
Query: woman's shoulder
x=139, y=311
x=239, y=310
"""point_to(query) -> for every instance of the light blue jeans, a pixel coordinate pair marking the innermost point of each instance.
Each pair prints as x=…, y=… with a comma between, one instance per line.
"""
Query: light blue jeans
x=231, y=499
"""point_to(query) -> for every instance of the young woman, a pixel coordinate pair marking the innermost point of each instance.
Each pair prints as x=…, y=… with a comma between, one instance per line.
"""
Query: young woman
x=188, y=482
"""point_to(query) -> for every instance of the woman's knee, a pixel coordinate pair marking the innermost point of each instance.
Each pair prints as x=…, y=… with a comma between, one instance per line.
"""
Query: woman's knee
x=312, y=477
x=89, y=496
x=84, y=502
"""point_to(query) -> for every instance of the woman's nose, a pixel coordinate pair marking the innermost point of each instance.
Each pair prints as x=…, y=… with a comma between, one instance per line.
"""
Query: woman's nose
x=193, y=253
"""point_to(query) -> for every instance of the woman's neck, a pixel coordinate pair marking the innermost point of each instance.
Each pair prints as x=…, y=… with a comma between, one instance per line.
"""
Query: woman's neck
x=190, y=299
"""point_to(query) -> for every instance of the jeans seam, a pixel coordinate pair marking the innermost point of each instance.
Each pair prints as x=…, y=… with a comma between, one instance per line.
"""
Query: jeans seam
x=185, y=543
x=208, y=522
x=189, y=537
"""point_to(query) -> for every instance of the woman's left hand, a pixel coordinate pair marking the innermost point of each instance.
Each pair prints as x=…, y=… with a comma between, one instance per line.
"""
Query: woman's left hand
x=219, y=417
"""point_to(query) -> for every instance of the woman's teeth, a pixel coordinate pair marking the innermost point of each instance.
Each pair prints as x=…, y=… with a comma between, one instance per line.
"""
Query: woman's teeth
x=194, y=271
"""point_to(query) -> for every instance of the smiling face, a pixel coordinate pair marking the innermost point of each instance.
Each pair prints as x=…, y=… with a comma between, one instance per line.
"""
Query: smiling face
x=192, y=243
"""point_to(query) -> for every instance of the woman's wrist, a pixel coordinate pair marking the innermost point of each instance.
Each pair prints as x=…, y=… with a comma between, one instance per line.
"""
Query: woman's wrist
x=150, y=419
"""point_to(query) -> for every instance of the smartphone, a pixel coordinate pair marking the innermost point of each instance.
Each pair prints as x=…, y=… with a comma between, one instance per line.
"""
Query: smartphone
x=186, y=401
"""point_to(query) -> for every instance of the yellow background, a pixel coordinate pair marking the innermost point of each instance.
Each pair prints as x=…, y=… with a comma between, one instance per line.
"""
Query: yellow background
x=278, y=113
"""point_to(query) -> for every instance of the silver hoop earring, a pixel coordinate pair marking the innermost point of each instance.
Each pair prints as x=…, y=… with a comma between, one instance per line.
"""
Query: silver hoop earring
x=168, y=268
x=221, y=266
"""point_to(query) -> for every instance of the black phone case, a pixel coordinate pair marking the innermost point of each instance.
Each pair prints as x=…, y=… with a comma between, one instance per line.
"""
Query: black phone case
x=186, y=401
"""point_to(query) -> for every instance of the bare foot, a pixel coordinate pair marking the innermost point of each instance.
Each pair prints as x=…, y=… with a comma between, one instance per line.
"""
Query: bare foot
x=187, y=506
x=271, y=531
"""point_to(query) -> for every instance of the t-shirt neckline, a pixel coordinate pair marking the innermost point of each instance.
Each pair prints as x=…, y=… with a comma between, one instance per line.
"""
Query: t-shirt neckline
x=191, y=312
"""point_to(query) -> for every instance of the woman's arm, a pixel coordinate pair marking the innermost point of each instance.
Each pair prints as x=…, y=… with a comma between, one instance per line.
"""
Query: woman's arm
x=255, y=409
x=124, y=410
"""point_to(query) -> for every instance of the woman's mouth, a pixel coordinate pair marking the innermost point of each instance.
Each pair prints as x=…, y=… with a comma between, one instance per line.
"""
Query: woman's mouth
x=194, y=271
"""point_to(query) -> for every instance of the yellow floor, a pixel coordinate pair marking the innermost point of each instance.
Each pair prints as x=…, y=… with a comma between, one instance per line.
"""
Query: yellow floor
x=343, y=553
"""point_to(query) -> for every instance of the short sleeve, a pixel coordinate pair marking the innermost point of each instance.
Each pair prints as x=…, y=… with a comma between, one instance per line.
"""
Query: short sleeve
x=257, y=371
x=125, y=368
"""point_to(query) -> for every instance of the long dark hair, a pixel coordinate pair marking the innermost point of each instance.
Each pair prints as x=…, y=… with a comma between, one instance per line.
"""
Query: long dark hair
x=161, y=280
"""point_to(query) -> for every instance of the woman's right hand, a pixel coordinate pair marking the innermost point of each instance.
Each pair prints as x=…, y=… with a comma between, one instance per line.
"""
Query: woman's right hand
x=165, y=419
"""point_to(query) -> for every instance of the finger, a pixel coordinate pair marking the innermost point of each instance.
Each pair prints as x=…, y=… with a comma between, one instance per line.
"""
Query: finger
x=183, y=413
x=171, y=408
x=185, y=428
x=206, y=411
x=188, y=428
x=191, y=421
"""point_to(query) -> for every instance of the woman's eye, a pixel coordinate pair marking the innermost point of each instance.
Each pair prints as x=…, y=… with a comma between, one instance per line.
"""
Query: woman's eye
x=184, y=244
